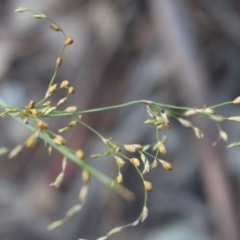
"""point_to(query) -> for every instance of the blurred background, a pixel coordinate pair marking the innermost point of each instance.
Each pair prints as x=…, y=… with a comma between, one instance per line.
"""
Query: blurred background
x=178, y=52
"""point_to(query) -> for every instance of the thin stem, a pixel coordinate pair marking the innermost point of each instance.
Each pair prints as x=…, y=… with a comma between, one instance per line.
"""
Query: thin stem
x=91, y=129
x=221, y=104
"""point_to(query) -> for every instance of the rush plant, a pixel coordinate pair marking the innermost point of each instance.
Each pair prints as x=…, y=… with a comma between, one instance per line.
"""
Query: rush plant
x=148, y=157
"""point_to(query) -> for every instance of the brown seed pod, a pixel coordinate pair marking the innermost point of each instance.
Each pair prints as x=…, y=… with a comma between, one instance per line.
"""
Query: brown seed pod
x=55, y=27
x=69, y=41
x=58, y=62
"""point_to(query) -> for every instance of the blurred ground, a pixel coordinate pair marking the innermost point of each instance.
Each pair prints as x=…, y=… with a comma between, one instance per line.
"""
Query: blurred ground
x=171, y=51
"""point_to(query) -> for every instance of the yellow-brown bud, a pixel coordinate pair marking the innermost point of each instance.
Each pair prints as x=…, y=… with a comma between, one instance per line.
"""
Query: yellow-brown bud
x=64, y=83
x=80, y=154
x=30, y=105
x=69, y=41
x=53, y=88
x=119, y=178
x=31, y=141
x=59, y=140
x=71, y=90
x=133, y=147
x=236, y=100
x=147, y=186
x=73, y=123
x=71, y=109
x=120, y=161
x=61, y=101
x=154, y=164
x=135, y=162
x=166, y=165
x=86, y=176
x=47, y=103
x=34, y=111
x=58, y=62
x=55, y=27
x=161, y=148
x=42, y=125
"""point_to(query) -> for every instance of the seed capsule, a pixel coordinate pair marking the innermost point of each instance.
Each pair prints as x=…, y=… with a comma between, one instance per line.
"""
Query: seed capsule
x=59, y=140
x=147, y=186
x=71, y=90
x=69, y=41
x=55, y=27
x=135, y=162
x=58, y=62
x=80, y=154
x=64, y=83
x=86, y=176
x=166, y=165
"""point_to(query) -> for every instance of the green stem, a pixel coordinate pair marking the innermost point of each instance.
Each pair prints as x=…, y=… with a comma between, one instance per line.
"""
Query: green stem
x=221, y=104
x=125, y=193
x=91, y=129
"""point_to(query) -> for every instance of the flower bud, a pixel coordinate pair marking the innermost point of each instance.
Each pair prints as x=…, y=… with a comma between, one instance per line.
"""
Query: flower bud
x=53, y=88
x=80, y=154
x=71, y=109
x=59, y=140
x=144, y=214
x=223, y=135
x=69, y=41
x=198, y=132
x=30, y=105
x=73, y=123
x=218, y=118
x=119, y=178
x=64, y=83
x=21, y=9
x=236, y=100
x=185, y=122
x=42, y=125
x=147, y=186
x=161, y=148
x=58, y=62
x=31, y=141
x=83, y=193
x=235, y=118
x=190, y=112
x=133, y=147
x=61, y=101
x=86, y=176
x=166, y=165
x=154, y=164
x=55, y=27
x=71, y=90
x=40, y=16
x=135, y=162
x=34, y=111
x=120, y=161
